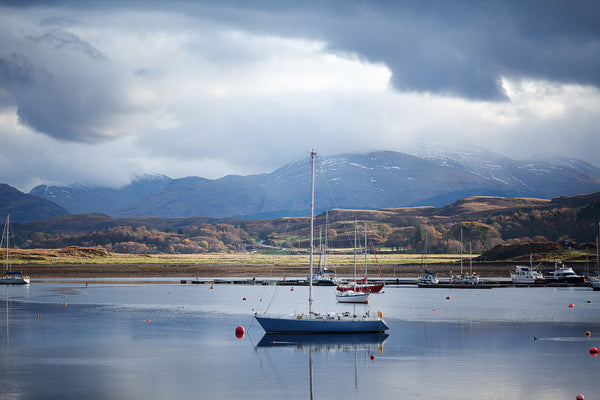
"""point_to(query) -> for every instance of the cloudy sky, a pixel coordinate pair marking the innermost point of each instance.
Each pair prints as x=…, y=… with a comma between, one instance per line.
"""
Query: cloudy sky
x=102, y=92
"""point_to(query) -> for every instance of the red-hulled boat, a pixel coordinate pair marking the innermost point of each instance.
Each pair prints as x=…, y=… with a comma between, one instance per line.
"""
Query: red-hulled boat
x=361, y=285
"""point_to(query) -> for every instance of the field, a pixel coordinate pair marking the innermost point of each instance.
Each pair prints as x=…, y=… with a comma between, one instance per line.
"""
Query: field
x=96, y=262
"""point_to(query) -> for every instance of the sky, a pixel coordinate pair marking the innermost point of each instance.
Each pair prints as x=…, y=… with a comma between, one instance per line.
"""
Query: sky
x=102, y=92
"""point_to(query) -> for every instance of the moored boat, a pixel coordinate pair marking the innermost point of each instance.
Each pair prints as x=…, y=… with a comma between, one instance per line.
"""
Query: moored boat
x=350, y=296
x=563, y=275
x=10, y=277
x=526, y=276
x=313, y=322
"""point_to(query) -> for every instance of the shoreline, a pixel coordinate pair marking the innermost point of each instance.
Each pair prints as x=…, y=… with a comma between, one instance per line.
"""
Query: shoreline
x=41, y=271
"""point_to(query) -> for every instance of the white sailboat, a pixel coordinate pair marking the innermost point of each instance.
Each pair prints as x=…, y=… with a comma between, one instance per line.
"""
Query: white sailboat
x=313, y=322
x=430, y=278
x=470, y=278
x=10, y=278
x=352, y=296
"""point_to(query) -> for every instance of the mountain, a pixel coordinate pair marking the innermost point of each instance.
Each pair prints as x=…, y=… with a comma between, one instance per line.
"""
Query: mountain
x=432, y=176
x=24, y=207
x=80, y=199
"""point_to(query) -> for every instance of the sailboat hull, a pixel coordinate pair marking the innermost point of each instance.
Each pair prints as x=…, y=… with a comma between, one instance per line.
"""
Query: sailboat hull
x=326, y=324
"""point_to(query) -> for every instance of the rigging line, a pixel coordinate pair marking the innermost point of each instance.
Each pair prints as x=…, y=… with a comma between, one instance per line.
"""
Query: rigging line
x=278, y=246
x=337, y=207
x=375, y=254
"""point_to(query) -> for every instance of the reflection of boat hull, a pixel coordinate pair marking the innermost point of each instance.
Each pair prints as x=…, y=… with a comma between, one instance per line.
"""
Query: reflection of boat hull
x=316, y=323
x=351, y=296
x=316, y=339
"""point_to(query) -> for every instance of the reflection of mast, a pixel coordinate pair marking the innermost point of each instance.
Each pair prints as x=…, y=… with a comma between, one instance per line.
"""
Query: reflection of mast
x=310, y=369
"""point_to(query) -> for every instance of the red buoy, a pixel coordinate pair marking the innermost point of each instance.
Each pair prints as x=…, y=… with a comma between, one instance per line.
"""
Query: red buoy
x=571, y=305
x=244, y=299
x=579, y=397
x=239, y=332
x=447, y=297
x=372, y=356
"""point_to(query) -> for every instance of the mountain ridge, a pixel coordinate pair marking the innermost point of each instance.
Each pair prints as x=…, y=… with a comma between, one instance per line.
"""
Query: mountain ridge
x=379, y=179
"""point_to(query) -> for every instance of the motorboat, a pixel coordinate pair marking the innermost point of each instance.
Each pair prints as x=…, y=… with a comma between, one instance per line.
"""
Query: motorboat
x=563, y=274
x=526, y=276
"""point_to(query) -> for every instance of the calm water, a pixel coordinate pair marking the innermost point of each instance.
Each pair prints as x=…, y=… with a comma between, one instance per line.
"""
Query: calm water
x=157, y=341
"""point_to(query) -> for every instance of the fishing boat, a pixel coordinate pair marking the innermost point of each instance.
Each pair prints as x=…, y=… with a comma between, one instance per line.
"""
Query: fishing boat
x=10, y=277
x=527, y=275
x=360, y=285
x=311, y=321
x=563, y=275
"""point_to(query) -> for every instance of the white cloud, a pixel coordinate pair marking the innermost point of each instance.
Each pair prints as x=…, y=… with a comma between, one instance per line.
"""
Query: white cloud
x=162, y=92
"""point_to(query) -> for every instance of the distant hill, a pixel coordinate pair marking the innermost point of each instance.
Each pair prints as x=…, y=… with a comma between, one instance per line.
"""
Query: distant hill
x=485, y=221
x=25, y=207
x=80, y=199
x=432, y=176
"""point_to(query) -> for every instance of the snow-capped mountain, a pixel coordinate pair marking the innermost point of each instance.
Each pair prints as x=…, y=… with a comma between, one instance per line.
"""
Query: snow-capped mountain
x=428, y=176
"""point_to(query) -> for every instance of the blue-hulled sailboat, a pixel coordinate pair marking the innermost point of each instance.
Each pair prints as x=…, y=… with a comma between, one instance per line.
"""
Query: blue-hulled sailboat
x=313, y=322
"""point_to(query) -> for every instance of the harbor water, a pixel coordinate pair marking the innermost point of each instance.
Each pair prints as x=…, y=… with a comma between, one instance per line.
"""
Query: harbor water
x=124, y=340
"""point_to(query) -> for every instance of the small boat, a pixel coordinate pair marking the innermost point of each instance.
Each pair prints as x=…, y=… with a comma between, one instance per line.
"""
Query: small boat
x=430, y=278
x=360, y=285
x=324, y=276
x=563, y=275
x=527, y=275
x=350, y=296
x=313, y=322
x=470, y=278
x=10, y=277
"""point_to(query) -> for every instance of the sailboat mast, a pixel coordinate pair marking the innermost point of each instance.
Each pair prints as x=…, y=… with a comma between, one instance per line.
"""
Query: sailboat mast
x=365, y=249
x=312, y=228
x=355, y=250
x=5, y=234
x=325, y=244
x=461, y=251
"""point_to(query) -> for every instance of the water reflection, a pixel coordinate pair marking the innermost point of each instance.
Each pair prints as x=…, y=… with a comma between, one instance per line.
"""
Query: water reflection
x=329, y=342
x=326, y=343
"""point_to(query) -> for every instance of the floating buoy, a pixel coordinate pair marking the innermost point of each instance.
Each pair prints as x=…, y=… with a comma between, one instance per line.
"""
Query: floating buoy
x=579, y=397
x=594, y=351
x=447, y=297
x=147, y=320
x=588, y=334
x=571, y=305
x=239, y=332
x=182, y=306
x=39, y=315
x=588, y=301
x=292, y=289
x=65, y=304
x=372, y=356
x=433, y=309
x=244, y=299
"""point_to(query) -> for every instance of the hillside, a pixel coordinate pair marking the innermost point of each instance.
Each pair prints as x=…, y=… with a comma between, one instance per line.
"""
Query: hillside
x=24, y=207
x=485, y=222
